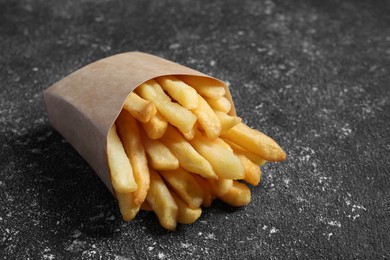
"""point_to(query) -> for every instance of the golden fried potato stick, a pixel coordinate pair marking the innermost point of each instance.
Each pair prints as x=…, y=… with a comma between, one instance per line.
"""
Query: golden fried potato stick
x=151, y=90
x=204, y=86
x=127, y=206
x=224, y=162
x=221, y=186
x=160, y=157
x=129, y=133
x=161, y=201
x=184, y=184
x=156, y=126
x=252, y=171
x=227, y=121
x=207, y=191
x=238, y=195
x=122, y=178
x=180, y=91
x=139, y=108
x=223, y=144
x=251, y=156
x=221, y=104
x=186, y=215
x=174, y=113
x=255, y=142
x=207, y=118
x=189, y=158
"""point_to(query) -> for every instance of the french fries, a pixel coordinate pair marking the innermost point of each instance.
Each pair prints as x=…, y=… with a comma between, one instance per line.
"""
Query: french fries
x=207, y=190
x=129, y=132
x=256, y=159
x=188, y=157
x=207, y=118
x=227, y=121
x=139, y=108
x=176, y=146
x=221, y=104
x=252, y=171
x=160, y=158
x=161, y=201
x=255, y=142
x=205, y=86
x=155, y=128
x=175, y=114
x=122, y=177
x=180, y=91
x=224, y=162
x=127, y=206
x=238, y=195
x=221, y=186
x=185, y=186
x=186, y=215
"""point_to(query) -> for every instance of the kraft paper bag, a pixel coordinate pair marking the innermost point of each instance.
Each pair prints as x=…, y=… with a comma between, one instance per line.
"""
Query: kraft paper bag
x=83, y=106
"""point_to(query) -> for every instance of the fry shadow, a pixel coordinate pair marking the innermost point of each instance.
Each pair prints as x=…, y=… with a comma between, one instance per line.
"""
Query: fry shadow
x=71, y=196
x=65, y=189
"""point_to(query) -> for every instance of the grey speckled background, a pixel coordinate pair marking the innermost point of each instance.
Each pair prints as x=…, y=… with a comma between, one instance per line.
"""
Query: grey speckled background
x=314, y=75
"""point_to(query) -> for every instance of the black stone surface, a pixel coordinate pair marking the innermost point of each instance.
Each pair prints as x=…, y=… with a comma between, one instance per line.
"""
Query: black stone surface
x=314, y=75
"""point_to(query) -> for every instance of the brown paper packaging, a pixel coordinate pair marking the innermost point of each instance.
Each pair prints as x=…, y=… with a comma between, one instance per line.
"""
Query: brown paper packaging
x=83, y=106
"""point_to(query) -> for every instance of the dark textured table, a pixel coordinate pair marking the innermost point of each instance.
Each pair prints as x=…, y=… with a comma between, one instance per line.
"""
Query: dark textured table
x=314, y=75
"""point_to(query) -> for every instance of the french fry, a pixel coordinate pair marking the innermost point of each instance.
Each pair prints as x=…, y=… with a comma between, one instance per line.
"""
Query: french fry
x=174, y=113
x=156, y=126
x=204, y=86
x=223, y=144
x=227, y=121
x=184, y=185
x=221, y=104
x=225, y=164
x=207, y=118
x=161, y=201
x=151, y=90
x=139, y=108
x=180, y=91
x=221, y=186
x=207, y=191
x=189, y=158
x=129, y=133
x=190, y=134
x=126, y=205
x=238, y=195
x=252, y=171
x=122, y=178
x=255, y=142
x=256, y=159
x=160, y=157
x=186, y=215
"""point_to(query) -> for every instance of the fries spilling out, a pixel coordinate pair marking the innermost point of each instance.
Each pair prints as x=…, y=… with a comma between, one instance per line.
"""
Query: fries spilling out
x=176, y=146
